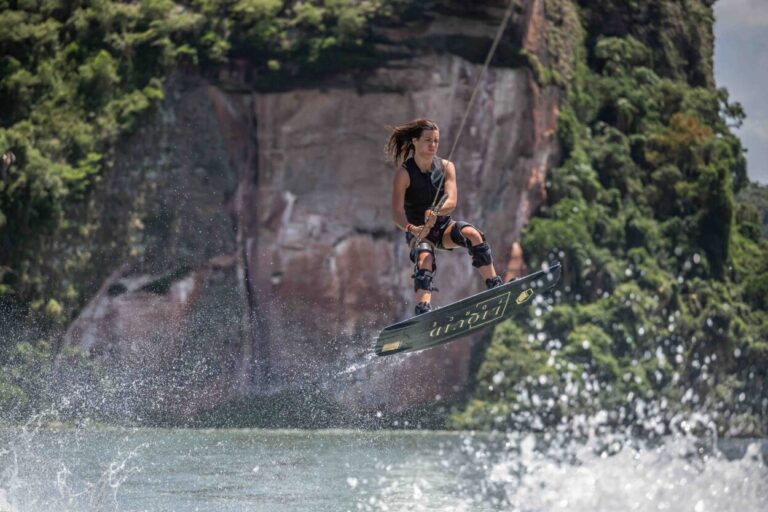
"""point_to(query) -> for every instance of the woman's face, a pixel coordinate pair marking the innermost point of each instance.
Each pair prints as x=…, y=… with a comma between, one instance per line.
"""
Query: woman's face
x=427, y=143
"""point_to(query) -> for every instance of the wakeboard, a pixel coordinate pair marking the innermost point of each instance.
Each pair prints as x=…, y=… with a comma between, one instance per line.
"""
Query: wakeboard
x=467, y=315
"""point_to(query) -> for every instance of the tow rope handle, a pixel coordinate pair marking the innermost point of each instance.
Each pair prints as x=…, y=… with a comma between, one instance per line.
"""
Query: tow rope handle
x=434, y=209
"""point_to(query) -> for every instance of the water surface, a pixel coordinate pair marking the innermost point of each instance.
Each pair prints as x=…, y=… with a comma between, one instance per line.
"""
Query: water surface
x=280, y=471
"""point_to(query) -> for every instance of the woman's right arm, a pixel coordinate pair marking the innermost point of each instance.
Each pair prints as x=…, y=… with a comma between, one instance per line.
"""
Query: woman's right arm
x=401, y=183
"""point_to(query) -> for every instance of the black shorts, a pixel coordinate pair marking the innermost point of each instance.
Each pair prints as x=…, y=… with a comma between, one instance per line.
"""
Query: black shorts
x=435, y=235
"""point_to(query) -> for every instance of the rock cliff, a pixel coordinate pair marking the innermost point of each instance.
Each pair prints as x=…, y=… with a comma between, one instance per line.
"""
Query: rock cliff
x=249, y=230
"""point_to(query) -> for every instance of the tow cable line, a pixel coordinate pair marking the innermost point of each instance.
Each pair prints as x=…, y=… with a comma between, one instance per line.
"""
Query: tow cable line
x=491, y=52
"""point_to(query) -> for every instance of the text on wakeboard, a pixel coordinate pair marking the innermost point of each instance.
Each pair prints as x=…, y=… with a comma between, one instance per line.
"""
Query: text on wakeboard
x=476, y=315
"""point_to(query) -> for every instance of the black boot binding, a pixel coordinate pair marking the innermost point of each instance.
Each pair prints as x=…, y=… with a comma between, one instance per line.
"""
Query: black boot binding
x=423, y=307
x=493, y=282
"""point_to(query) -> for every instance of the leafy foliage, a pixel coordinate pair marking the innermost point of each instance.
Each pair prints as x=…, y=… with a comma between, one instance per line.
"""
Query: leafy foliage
x=664, y=292
x=663, y=296
x=77, y=75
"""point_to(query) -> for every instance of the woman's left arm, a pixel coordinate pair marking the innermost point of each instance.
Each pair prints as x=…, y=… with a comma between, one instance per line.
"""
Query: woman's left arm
x=449, y=185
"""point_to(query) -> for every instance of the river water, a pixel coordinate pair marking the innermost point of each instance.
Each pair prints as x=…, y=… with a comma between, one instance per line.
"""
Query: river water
x=260, y=470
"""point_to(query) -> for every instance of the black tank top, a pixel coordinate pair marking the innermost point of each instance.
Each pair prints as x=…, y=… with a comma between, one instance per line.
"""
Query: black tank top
x=420, y=194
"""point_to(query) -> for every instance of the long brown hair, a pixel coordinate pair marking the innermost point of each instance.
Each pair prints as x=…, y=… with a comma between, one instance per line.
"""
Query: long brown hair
x=399, y=146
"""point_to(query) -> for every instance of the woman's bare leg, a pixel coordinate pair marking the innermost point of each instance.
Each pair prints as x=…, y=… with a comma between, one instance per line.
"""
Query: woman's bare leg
x=425, y=261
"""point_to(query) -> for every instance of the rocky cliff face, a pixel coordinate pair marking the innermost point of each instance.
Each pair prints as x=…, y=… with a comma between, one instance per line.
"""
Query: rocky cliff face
x=251, y=234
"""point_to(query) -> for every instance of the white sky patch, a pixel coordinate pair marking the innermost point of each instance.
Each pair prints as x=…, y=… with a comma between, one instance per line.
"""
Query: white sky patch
x=741, y=66
x=758, y=129
x=745, y=13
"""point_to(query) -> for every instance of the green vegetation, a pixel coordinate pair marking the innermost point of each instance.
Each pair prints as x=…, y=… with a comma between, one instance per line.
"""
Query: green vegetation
x=75, y=76
x=663, y=303
x=753, y=215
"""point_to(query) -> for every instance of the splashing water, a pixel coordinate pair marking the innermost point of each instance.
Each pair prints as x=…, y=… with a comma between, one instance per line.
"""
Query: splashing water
x=338, y=470
x=671, y=476
x=366, y=360
x=39, y=472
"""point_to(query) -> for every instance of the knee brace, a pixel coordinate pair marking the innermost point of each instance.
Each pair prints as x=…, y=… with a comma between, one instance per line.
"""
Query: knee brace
x=481, y=254
x=422, y=280
x=423, y=247
x=457, y=237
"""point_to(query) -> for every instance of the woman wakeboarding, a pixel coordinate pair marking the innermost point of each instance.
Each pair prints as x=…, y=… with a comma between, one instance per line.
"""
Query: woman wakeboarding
x=424, y=194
